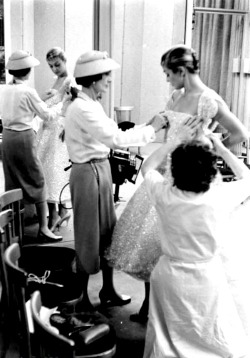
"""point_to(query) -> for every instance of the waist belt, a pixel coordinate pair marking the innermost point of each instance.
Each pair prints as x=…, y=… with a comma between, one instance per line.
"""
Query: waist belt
x=94, y=160
x=97, y=160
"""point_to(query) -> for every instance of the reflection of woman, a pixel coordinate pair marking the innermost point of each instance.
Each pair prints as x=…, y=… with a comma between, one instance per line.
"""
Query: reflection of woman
x=193, y=310
x=89, y=135
x=135, y=246
x=51, y=150
x=22, y=168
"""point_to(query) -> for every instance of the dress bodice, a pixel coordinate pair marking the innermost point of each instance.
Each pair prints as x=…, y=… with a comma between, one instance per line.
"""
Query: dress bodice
x=207, y=110
x=59, y=94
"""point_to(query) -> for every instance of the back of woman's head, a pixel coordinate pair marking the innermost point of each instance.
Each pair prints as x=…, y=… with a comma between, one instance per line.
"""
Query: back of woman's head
x=56, y=52
x=180, y=55
x=193, y=166
x=20, y=73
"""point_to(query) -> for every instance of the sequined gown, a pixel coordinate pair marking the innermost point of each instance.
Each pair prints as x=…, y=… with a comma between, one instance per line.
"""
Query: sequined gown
x=135, y=245
x=53, y=154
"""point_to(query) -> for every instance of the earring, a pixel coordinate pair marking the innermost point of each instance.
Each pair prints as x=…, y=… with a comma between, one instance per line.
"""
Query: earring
x=94, y=83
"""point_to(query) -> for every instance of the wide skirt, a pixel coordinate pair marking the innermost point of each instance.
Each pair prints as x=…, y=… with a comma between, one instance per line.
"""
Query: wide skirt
x=135, y=247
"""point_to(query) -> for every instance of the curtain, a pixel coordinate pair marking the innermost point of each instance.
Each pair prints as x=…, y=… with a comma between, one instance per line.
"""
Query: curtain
x=211, y=40
x=223, y=48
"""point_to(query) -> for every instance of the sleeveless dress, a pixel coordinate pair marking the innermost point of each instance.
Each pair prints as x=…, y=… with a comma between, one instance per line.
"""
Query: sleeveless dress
x=135, y=247
x=53, y=154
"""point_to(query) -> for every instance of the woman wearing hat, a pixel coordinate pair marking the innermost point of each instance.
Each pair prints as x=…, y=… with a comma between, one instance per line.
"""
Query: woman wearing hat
x=18, y=105
x=89, y=135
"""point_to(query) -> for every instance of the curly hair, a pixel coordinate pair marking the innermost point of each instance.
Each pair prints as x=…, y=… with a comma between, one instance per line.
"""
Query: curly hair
x=193, y=166
x=180, y=55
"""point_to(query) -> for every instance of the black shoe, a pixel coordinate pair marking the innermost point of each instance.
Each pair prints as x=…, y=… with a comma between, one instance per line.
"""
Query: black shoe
x=139, y=317
x=84, y=306
x=47, y=239
x=114, y=299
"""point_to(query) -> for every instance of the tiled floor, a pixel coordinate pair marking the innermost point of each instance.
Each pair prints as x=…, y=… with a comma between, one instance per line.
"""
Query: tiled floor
x=130, y=335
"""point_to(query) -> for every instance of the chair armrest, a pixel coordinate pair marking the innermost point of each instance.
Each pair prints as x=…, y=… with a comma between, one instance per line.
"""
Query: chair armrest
x=94, y=333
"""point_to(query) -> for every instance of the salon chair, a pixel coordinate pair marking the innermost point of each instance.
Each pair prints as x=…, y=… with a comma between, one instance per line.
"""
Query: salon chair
x=56, y=289
x=96, y=341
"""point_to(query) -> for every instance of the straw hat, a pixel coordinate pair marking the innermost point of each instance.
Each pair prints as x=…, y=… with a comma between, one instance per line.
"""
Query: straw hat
x=94, y=62
x=21, y=59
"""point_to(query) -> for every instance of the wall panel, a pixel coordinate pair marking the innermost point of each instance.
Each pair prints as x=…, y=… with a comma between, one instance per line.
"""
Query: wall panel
x=48, y=32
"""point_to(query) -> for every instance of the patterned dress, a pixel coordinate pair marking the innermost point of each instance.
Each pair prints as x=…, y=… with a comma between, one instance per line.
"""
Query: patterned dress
x=53, y=154
x=135, y=247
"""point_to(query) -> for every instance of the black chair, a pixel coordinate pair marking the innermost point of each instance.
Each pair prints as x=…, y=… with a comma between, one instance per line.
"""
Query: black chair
x=13, y=199
x=91, y=344
x=17, y=280
x=22, y=287
x=63, y=346
x=12, y=228
x=52, y=264
x=6, y=217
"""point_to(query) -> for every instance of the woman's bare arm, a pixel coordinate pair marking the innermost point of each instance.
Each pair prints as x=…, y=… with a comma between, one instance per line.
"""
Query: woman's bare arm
x=236, y=130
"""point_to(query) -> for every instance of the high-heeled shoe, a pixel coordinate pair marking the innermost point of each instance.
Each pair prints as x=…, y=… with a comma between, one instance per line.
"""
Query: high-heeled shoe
x=114, y=299
x=48, y=239
x=60, y=221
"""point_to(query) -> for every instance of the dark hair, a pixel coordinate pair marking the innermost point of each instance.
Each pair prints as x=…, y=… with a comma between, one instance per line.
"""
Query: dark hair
x=180, y=55
x=88, y=80
x=193, y=166
x=56, y=52
x=20, y=73
x=74, y=93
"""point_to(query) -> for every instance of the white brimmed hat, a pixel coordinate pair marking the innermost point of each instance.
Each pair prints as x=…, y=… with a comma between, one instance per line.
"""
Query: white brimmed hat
x=21, y=59
x=94, y=62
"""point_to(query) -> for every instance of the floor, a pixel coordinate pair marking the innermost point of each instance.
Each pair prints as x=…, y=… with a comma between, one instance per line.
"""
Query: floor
x=130, y=335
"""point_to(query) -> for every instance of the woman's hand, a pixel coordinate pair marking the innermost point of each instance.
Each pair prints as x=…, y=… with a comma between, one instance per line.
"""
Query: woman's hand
x=158, y=122
x=218, y=146
x=189, y=129
x=50, y=93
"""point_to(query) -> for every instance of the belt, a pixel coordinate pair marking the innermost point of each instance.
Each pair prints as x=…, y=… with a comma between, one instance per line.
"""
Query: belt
x=97, y=160
x=94, y=160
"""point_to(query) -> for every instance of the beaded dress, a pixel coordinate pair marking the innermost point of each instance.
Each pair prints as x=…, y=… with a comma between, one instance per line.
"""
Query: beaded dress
x=53, y=152
x=135, y=247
